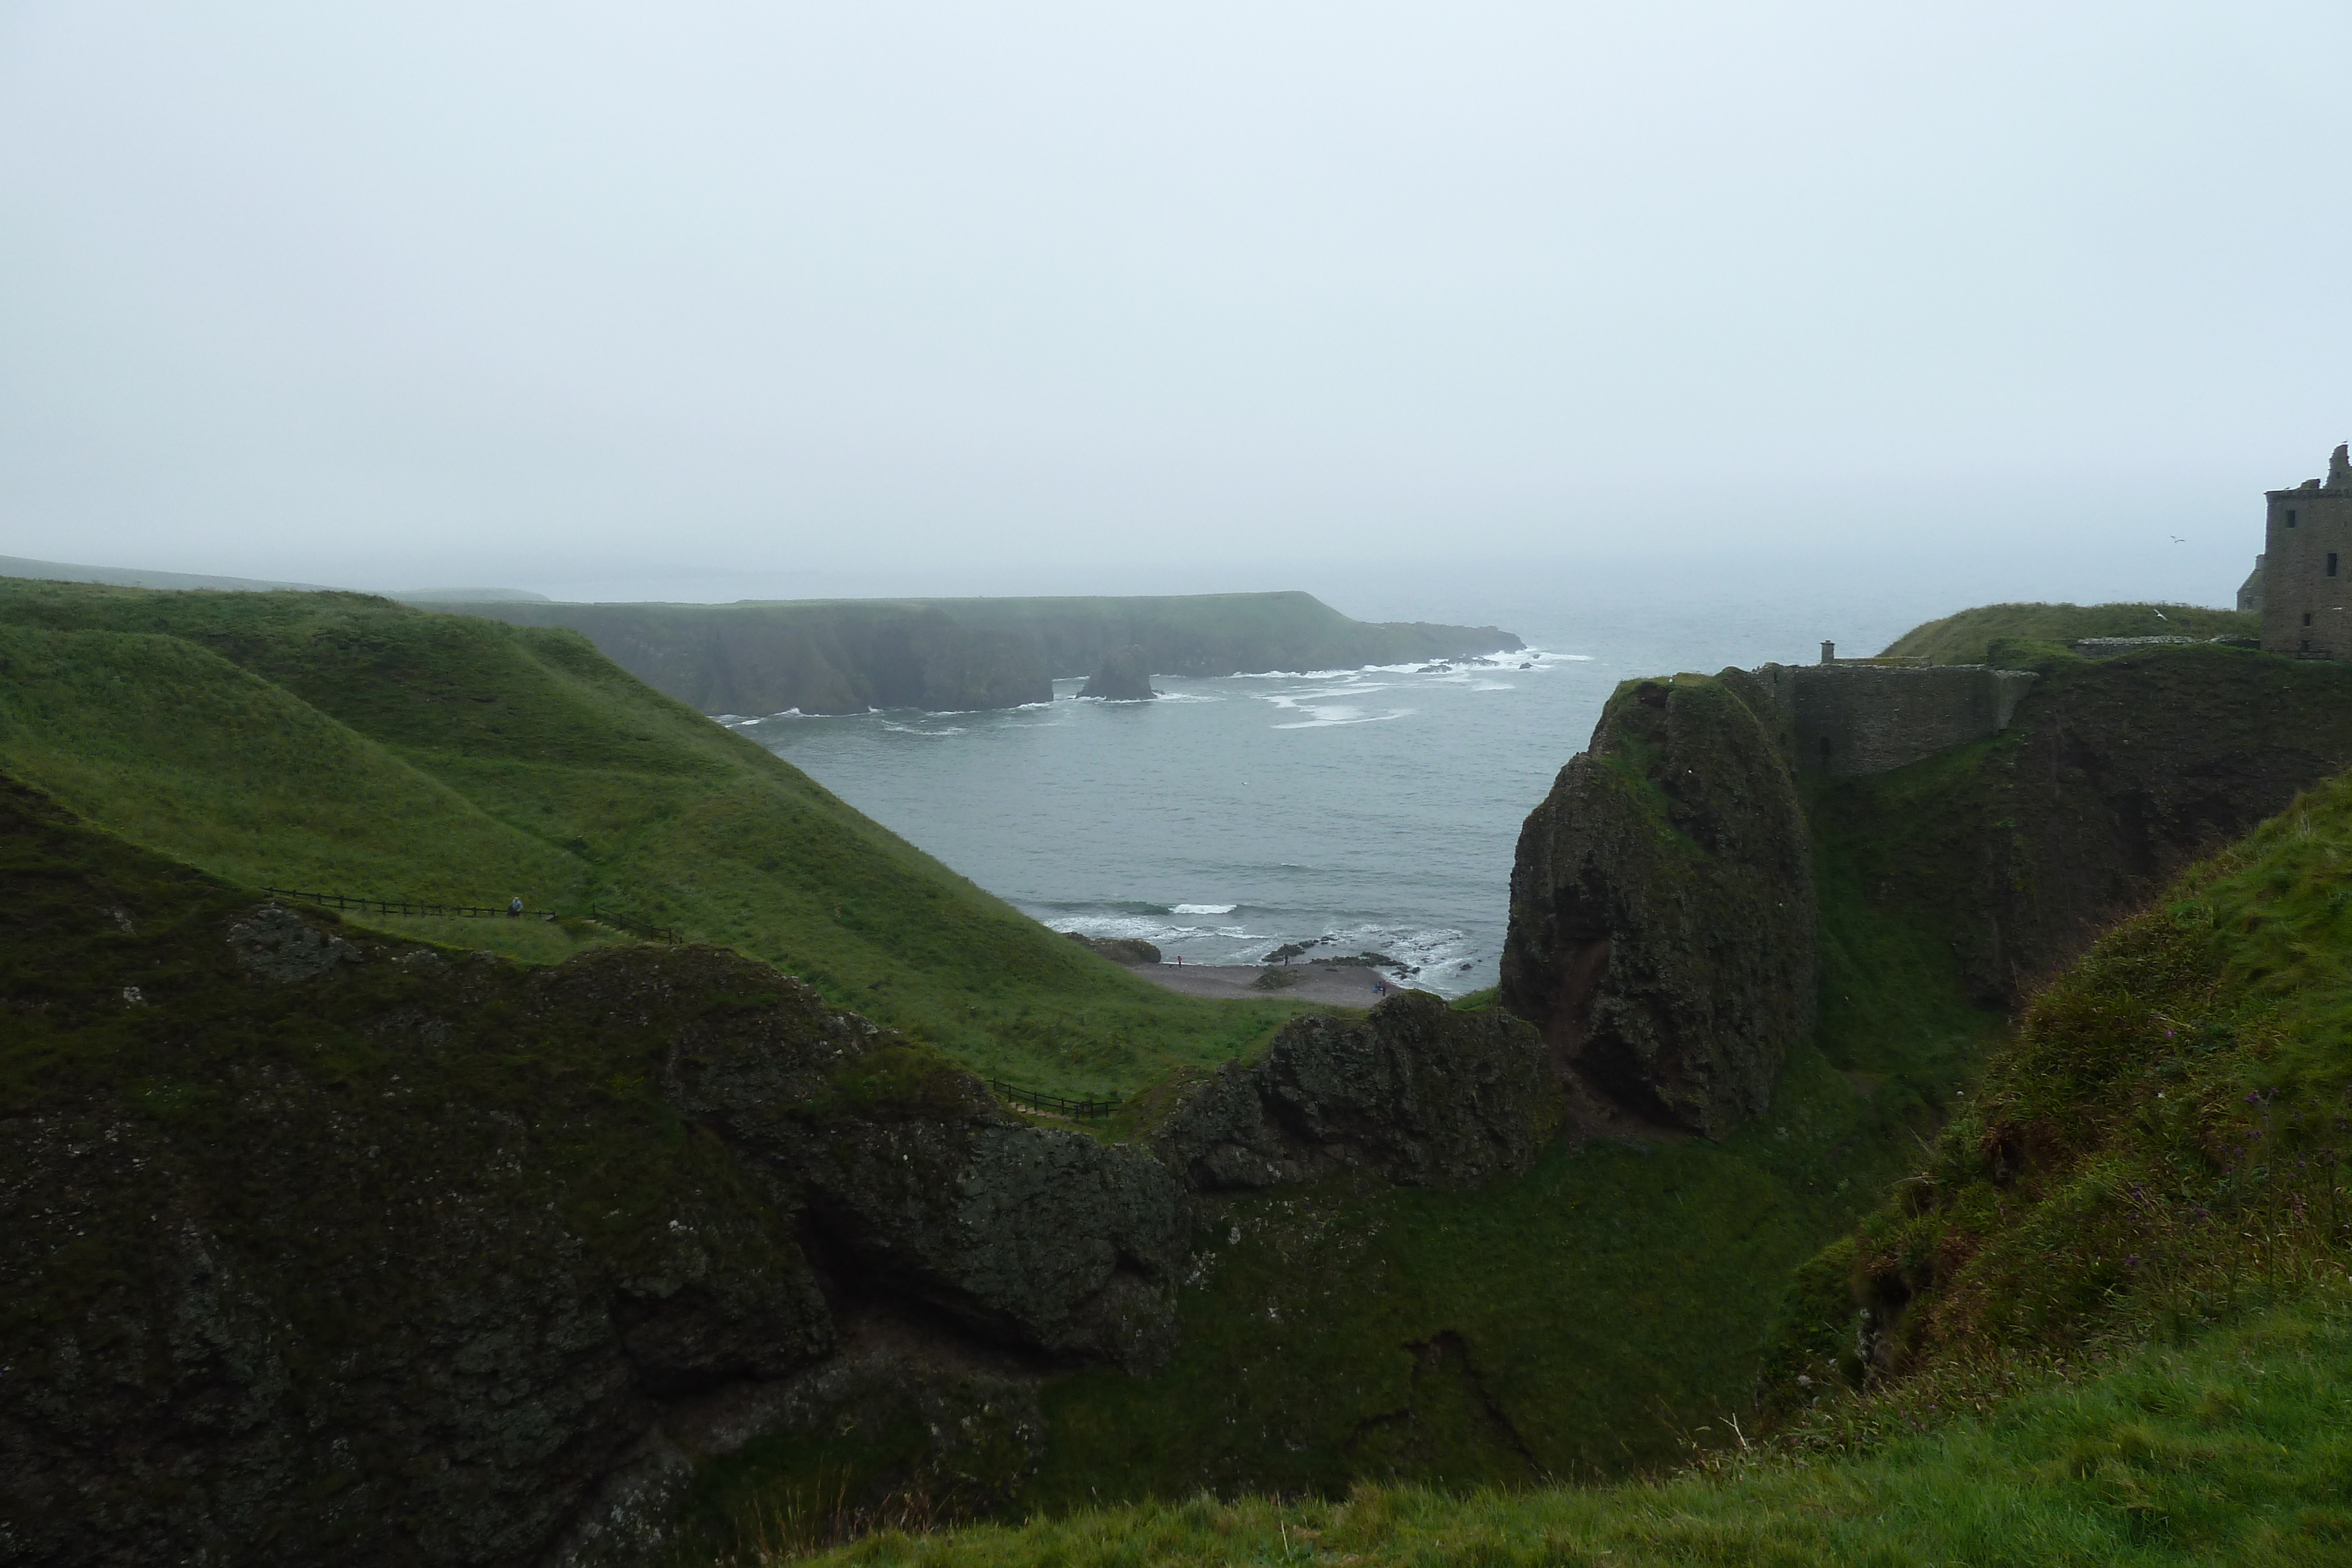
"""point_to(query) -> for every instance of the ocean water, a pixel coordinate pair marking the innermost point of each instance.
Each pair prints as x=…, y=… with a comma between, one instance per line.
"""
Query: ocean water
x=1377, y=809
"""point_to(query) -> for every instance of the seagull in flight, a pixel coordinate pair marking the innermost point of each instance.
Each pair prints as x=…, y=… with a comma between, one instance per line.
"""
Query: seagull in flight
x=2176, y=539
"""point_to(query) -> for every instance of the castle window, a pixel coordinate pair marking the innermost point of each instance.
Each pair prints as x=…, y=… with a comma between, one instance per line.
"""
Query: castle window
x=2290, y=517
x=2331, y=563
x=2307, y=617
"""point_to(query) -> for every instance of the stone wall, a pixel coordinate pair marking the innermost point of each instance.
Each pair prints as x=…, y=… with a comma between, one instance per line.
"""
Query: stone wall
x=1848, y=718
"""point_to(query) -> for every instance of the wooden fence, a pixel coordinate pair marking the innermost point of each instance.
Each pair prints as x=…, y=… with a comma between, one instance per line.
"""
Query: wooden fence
x=1058, y=1104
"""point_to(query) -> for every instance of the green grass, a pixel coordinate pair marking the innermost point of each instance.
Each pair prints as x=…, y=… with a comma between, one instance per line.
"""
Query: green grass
x=2107, y=1320
x=2233, y=1450
x=2170, y=1138
x=1306, y=1360
x=1587, y=1319
x=1966, y=638
x=351, y=745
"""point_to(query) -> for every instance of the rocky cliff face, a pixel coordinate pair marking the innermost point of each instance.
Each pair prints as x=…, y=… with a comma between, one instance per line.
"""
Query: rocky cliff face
x=319, y=1248
x=1417, y=1093
x=846, y=655
x=1662, y=933
x=1123, y=676
x=2114, y=774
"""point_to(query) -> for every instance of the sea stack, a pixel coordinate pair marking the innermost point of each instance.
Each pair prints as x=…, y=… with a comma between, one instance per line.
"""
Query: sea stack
x=1123, y=677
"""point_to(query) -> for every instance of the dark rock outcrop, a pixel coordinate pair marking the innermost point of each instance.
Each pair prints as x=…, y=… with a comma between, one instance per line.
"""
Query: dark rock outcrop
x=2114, y=774
x=1123, y=676
x=1661, y=932
x=319, y=1248
x=1127, y=950
x=1417, y=1093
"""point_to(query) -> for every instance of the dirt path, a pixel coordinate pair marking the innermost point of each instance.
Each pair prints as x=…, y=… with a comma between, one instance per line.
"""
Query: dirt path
x=1346, y=985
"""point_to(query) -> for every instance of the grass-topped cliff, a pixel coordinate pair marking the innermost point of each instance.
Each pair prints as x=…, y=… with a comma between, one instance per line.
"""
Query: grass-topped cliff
x=346, y=743
x=1600, y=1307
x=846, y=655
x=1967, y=638
x=2104, y=1318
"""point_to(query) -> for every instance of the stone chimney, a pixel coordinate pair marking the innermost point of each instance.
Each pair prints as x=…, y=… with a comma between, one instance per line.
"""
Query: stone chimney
x=1829, y=652
x=2340, y=470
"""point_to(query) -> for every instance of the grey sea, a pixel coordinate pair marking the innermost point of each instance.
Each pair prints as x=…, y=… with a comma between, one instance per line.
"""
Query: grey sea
x=1377, y=808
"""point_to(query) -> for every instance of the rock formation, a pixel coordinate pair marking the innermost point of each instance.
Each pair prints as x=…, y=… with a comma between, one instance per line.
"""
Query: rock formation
x=2116, y=773
x=1124, y=676
x=324, y=1247
x=1661, y=932
x=1127, y=950
x=1417, y=1093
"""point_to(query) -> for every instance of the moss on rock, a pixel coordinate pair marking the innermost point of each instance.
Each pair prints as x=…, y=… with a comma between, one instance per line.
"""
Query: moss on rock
x=1662, y=917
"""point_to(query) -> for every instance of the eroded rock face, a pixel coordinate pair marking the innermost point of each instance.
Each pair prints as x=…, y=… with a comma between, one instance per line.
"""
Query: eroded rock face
x=276, y=944
x=1034, y=1237
x=391, y=1260
x=1124, y=676
x=1661, y=930
x=1418, y=1093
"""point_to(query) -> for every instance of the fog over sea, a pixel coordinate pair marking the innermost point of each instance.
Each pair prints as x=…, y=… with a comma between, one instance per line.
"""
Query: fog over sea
x=1378, y=808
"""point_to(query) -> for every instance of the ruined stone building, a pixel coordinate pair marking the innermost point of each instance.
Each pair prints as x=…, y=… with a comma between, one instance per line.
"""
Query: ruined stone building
x=1845, y=716
x=2305, y=565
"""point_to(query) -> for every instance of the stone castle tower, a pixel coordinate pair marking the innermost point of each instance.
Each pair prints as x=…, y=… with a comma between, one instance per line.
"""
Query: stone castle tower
x=2306, y=566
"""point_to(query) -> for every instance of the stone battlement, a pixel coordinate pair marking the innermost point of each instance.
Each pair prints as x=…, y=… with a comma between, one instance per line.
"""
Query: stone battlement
x=1849, y=716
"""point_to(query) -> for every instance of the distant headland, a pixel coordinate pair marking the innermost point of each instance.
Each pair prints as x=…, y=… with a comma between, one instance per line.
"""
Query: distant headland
x=845, y=655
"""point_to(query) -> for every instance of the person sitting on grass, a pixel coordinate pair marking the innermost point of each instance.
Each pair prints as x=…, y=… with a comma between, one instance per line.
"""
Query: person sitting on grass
x=514, y=909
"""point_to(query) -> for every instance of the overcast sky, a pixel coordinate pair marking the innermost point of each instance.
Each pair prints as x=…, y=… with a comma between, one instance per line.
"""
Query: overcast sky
x=665, y=298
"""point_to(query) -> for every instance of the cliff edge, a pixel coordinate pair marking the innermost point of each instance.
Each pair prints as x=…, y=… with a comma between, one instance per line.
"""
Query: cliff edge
x=847, y=655
x=1662, y=933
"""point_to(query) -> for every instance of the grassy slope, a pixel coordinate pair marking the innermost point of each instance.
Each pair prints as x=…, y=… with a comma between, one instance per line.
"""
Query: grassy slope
x=2109, y=1324
x=1333, y=1337
x=2230, y=1451
x=2170, y=1139
x=1963, y=639
x=346, y=741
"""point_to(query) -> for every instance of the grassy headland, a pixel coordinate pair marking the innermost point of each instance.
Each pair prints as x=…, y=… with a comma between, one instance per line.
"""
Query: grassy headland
x=1967, y=638
x=846, y=655
x=2108, y=1321
x=349, y=744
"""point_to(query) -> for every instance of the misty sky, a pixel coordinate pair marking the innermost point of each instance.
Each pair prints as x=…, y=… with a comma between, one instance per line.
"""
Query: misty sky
x=694, y=299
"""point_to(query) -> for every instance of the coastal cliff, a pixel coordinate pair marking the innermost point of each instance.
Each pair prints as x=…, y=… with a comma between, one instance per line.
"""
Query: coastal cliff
x=847, y=655
x=324, y=1245
x=1662, y=907
x=1684, y=905
x=2010, y=856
